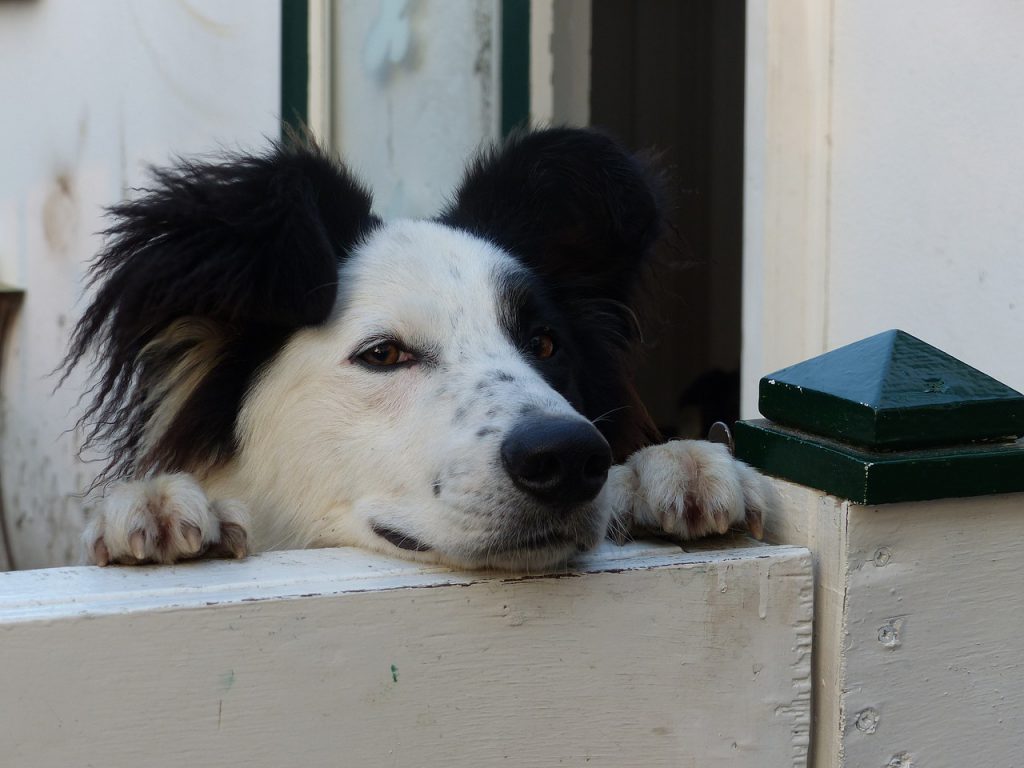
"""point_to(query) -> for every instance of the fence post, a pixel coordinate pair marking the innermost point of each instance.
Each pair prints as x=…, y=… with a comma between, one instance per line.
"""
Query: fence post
x=901, y=469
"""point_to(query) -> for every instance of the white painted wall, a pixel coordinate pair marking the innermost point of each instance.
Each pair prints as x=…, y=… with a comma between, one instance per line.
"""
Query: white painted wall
x=91, y=93
x=884, y=173
x=416, y=93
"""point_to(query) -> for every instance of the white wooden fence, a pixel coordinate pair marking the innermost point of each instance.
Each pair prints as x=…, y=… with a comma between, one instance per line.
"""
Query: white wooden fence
x=648, y=655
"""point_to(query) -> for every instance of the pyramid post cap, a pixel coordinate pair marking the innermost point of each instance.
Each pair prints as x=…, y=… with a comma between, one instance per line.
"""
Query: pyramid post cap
x=892, y=391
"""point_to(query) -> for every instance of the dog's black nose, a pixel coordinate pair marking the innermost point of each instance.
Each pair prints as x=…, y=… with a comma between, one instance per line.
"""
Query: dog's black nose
x=557, y=459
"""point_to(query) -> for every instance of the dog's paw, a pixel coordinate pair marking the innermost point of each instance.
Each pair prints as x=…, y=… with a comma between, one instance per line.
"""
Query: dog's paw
x=164, y=520
x=687, y=489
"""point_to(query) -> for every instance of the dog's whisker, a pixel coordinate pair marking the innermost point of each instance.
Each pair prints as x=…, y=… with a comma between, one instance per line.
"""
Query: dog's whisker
x=314, y=289
x=604, y=416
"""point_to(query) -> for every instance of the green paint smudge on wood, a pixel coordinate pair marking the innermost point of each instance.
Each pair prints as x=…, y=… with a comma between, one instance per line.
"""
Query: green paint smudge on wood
x=394, y=673
x=228, y=679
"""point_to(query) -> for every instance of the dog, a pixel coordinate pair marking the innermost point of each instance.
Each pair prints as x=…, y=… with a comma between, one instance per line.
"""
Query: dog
x=276, y=367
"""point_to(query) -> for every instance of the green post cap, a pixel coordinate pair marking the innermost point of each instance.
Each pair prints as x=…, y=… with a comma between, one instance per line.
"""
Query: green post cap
x=887, y=419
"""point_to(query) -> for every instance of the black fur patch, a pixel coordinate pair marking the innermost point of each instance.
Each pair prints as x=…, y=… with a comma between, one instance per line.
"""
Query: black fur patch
x=249, y=244
x=572, y=204
x=583, y=214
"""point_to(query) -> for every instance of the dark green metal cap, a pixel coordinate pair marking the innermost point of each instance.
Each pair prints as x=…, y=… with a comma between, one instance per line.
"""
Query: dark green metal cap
x=888, y=419
x=892, y=391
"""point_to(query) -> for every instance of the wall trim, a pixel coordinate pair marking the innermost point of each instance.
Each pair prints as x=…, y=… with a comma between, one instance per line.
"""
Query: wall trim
x=786, y=187
x=294, y=63
x=515, y=64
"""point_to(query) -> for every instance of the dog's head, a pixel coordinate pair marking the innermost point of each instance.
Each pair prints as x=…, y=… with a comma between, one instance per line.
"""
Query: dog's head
x=453, y=389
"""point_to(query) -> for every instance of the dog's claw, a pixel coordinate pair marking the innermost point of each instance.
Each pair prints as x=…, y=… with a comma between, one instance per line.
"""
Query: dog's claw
x=755, y=523
x=193, y=537
x=721, y=520
x=234, y=540
x=137, y=545
x=100, y=553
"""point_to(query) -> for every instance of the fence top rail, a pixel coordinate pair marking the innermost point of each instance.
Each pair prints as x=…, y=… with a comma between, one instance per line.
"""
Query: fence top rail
x=59, y=593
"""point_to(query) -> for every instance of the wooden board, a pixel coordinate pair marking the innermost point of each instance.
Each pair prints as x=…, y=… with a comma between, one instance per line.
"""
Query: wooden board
x=647, y=655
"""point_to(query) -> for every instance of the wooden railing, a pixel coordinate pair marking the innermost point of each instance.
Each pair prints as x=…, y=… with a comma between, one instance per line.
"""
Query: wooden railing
x=647, y=655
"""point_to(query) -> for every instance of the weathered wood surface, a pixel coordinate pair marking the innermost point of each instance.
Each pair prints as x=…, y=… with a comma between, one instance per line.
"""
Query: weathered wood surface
x=92, y=94
x=647, y=655
x=919, y=628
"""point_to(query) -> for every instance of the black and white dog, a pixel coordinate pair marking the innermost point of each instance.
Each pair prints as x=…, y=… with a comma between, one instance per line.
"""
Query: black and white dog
x=278, y=368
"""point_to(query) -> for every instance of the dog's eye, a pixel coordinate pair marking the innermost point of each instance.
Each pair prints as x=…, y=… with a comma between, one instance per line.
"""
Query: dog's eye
x=542, y=345
x=383, y=354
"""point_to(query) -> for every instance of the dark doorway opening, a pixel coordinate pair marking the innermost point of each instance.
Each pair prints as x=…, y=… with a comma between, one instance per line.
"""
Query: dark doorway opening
x=669, y=74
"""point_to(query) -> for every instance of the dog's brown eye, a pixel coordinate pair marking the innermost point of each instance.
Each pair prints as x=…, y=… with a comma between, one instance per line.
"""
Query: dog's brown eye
x=384, y=353
x=542, y=345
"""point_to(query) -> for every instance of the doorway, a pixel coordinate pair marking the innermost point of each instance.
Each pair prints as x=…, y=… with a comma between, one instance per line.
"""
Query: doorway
x=669, y=75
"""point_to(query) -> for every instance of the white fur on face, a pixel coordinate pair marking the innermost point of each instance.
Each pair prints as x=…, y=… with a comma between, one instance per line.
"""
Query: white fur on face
x=332, y=450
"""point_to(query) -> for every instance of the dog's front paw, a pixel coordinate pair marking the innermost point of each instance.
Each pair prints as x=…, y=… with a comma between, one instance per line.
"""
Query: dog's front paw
x=163, y=520
x=686, y=488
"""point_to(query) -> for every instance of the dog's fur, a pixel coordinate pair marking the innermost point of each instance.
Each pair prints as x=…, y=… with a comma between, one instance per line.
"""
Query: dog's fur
x=242, y=312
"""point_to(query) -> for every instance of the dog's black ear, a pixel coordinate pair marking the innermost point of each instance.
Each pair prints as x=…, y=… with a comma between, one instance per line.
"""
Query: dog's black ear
x=203, y=277
x=242, y=239
x=573, y=204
